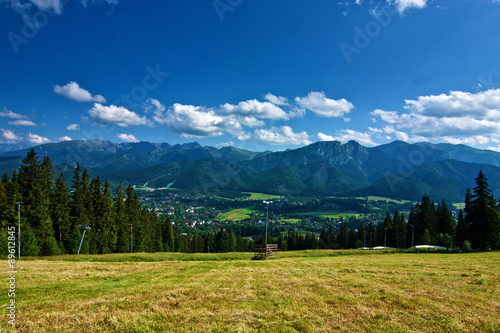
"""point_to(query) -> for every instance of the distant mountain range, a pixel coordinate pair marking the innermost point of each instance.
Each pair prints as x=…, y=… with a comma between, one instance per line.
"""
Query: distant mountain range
x=396, y=170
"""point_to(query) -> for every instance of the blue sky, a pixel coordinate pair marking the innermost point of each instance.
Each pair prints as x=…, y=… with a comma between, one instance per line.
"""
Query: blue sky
x=254, y=74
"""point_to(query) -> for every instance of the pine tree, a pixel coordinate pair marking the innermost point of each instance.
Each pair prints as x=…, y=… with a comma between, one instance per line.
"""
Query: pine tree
x=120, y=222
x=323, y=239
x=461, y=228
x=168, y=237
x=8, y=211
x=483, y=217
x=35, y=184
x=109, y=227
x=384, y=231
x=60, y=212
x=446, y=223
x=343, y=238
x=400, y=226
x=425, y=219
x=133, y=220
x=4, y=219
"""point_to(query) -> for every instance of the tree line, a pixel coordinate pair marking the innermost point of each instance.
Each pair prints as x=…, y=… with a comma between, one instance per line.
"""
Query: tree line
x=54, y=216
x=476, y=227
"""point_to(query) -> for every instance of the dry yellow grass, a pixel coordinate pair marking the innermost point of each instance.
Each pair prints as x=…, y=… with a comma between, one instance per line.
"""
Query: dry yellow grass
x=380, y=292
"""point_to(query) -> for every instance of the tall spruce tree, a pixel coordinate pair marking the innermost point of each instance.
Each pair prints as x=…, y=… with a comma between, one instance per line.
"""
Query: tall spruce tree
x=482, y=216
x=425, y=221
x=400, y=226
x=461, y=231
x=35, y=184
x=60, y=212
x=446, y=224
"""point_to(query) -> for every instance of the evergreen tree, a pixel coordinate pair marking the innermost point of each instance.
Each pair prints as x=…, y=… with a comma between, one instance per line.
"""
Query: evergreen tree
x=168, y=237
x=384, y=232
x=461, y=235
x=11, y=192
x=323, y=239
x=343, y=238
x=133, y=221
x=231, y=242
x=60, y=212
x=79, y=203
x=29, y=243
x=371, y=234
x=424, y=219
x=35, y=194
x=120, y=223
x=4, y=218
x=400, y=226
x=446, y=223
x=483, y=217
x=109, y=232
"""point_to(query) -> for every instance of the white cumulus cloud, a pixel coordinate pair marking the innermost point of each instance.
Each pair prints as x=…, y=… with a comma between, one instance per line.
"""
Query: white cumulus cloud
x=325, y=137
x=116, y=115
x=277, y=100
x=10, y=135
x=153, y=106
x=22, y=122
x=281, y=136
x=452, y=117
x=255, y=108
x=192, y=121
x=73, y=127
x=72, y=90
x=403, y=5
x=37, y=139
x=127, y=137
x=65, y=138
x=347, y=135
x=322, y=106
x=29, y=9
x=458, y=104
x=11, y=115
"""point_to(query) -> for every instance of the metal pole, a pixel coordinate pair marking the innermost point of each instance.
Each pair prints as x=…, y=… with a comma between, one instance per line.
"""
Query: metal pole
x=267, y=220
x=81, y=240
x=385, y=237
x=412, y=233
x=19, y=229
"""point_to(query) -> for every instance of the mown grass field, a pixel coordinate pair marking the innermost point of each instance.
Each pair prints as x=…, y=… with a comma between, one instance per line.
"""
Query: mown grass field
x=237, y=214
x=263, y=196
x=307, y=291
x=324, y=215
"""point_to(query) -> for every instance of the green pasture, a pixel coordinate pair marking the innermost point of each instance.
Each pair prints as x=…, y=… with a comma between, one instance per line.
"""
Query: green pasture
x=263, y=196
x=237, y=214
x=302, y=291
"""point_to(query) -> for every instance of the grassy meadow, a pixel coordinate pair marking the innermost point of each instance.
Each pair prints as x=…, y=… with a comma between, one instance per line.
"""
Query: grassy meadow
x=237, y=214
x=303, y=291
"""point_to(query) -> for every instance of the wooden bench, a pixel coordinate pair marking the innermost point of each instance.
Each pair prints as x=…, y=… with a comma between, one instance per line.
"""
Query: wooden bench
x=264, y=252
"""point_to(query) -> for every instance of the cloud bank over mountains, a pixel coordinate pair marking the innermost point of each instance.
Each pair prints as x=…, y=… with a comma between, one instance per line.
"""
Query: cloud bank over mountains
x=454, y=117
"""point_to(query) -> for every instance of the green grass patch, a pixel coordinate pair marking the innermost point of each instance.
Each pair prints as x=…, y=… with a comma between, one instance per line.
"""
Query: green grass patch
x=263, y=196
x=324, y=215
x=305, y=291
x=291, y=220
x=237, y=214
x=377, y=198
